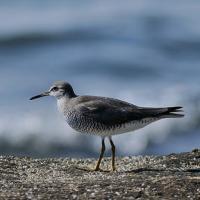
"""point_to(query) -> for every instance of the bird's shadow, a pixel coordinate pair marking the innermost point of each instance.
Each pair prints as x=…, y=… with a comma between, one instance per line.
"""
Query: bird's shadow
x=140, y=170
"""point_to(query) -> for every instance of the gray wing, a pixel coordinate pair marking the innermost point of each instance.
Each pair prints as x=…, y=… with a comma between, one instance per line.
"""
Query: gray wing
x=112, y=111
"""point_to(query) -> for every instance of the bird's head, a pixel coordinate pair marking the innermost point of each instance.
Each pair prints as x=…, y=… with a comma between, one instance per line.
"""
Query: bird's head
x=59, y=89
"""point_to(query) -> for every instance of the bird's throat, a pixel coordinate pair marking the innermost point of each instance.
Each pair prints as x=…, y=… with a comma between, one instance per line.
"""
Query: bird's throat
x=62, y=102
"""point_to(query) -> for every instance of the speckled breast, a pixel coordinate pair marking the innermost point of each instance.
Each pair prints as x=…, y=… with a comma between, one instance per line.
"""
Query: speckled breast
x=87, y=125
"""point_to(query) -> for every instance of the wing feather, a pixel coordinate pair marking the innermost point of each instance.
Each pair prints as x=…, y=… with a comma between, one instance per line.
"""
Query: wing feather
x=109, y=111
x=113, y=111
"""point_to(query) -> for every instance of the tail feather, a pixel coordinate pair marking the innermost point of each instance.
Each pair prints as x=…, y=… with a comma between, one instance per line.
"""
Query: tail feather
x=167, y=112
x=172, y=112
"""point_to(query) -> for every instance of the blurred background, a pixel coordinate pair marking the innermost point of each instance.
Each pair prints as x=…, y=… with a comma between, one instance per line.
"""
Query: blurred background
x=144, y=52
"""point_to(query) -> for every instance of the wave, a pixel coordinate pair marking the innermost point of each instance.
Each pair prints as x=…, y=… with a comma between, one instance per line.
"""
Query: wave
x=40, y=38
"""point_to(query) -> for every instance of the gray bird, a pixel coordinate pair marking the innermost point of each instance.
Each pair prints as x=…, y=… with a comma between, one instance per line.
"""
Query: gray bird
x=104, y=116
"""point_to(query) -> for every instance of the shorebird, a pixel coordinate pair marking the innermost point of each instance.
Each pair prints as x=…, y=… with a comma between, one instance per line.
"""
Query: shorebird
x=104, y=116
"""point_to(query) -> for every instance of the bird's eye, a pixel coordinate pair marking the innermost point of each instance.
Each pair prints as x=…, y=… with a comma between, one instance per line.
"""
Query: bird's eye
x=54, y=89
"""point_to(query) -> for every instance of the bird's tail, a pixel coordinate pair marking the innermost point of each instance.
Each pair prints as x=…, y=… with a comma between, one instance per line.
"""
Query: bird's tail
x=172, y=112
x=167, y=112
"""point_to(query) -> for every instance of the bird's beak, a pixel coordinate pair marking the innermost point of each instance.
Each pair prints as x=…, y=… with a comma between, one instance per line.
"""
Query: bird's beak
x=40, y=95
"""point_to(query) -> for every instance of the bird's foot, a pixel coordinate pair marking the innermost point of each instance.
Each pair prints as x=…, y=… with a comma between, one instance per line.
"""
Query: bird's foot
x=92, y=169
x=84, y=169
x=100, y=170
x=113, y=169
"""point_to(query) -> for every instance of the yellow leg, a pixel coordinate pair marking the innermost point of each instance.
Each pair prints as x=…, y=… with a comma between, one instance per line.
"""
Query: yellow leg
x=101, y=155
x=113, y=153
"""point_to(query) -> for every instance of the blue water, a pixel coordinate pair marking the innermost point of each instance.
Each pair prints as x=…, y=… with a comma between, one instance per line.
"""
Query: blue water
x=144, y=52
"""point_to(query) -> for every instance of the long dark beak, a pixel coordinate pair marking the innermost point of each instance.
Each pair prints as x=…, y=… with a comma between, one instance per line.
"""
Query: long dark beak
x=40, y=95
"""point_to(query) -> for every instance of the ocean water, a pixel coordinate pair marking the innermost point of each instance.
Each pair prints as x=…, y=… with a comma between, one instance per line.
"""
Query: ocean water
x=144, y=52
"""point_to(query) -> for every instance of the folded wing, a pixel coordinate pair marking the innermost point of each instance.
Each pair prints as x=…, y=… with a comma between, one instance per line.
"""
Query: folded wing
x=111, y=111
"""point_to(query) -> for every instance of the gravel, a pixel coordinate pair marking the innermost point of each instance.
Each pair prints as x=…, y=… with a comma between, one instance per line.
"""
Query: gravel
x=176, y=176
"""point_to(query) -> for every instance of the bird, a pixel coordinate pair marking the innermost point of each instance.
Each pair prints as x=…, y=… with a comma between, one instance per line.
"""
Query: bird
x=104, y=116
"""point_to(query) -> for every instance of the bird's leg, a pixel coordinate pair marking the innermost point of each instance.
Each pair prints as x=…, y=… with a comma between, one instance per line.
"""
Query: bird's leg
x=113, y=153
x=101, y=155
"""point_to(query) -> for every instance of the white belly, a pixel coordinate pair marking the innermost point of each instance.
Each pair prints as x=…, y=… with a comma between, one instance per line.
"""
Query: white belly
x=127, y=127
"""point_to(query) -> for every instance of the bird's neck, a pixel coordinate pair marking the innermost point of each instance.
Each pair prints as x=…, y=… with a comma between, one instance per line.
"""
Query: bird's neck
x=63, y=103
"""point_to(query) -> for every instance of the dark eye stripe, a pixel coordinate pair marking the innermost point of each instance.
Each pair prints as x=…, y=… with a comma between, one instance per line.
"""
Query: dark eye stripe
x=54, y=89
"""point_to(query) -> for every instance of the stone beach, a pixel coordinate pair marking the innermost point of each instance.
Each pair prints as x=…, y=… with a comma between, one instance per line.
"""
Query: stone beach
x=175, y=176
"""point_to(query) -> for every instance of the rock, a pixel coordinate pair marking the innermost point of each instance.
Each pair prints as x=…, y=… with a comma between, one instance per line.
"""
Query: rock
x=176, y=176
